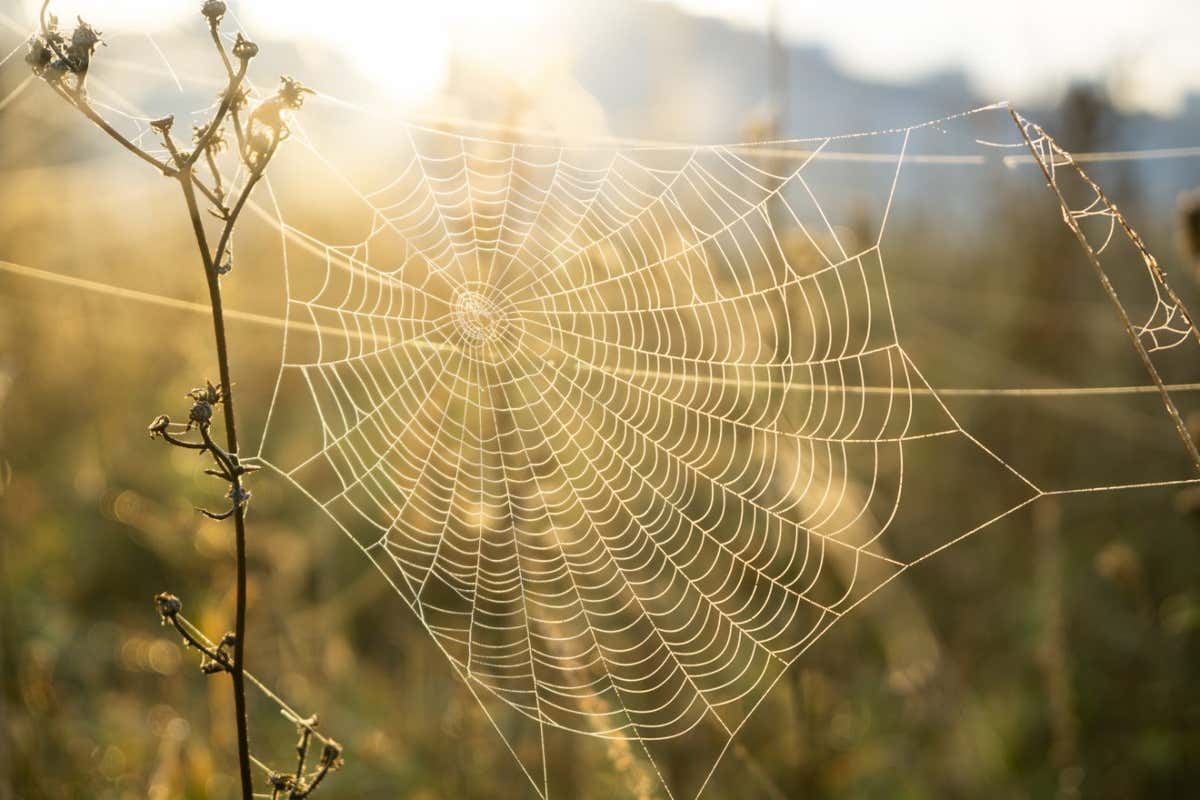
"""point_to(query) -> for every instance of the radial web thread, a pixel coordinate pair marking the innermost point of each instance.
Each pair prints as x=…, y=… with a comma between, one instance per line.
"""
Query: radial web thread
x=623, y=452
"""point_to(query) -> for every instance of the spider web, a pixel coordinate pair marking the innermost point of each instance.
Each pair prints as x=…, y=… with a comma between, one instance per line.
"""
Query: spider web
x=625, y=424
x=622, y=451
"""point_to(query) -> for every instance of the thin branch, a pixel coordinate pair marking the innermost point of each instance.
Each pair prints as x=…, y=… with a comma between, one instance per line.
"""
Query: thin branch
x=227, y=99
x=239, y=516
x=169, y=607
x=86, y=109
x=256, y=173
x=218, y=188
x=1102, y=275
x=235, y=114
x=330, y=757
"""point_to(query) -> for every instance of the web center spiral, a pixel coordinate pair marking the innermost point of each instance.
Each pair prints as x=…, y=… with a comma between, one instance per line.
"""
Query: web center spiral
x=477, y=318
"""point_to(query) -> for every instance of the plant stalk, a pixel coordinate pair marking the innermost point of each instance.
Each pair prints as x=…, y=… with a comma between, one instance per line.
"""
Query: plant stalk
x=237, y=673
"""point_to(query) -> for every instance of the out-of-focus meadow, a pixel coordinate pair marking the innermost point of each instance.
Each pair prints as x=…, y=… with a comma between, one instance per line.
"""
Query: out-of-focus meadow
x=1056, y=653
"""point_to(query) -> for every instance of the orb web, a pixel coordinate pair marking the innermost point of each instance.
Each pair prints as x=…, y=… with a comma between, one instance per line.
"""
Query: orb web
x=625, y=425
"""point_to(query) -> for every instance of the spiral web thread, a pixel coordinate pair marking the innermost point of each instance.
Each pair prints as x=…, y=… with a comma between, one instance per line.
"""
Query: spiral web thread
x=622, y=453
x=624, y=457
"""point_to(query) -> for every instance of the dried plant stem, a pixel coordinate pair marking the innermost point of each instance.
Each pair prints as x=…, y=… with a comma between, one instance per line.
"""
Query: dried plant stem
x=1047, y=163
x=181, y=167
x=64, y=65
x=239, y=515
x=80, y=102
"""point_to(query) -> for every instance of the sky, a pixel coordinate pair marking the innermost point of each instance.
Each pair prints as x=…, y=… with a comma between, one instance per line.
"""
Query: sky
x=1145, y=51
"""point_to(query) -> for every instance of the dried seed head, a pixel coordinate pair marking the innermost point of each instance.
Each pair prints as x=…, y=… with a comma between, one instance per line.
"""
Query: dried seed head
x=208, y=393
x=267, y=125
x=213, y=11
x=216, y=144
x=85, y=36
x=200, y=414
x=281, y=782
x=332, y=754
x=168, y=605
x=52, y=34
x=83, y=45
x=158, y=426
x=39, y=55
x=163, y=124
x=244, y=49
x=291, y=92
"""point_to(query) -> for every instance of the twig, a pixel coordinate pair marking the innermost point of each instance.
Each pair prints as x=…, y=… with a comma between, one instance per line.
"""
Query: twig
x=77, y=98
x=256, y=174
x=1093, y=257
x=216, y=659
x=169, y=607
x=51, y=58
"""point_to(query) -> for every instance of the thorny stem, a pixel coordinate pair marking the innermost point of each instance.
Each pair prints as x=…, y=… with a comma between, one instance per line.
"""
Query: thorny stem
x=223, y=458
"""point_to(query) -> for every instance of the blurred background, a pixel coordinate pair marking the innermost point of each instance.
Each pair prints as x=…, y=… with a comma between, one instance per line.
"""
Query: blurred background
x=1053, y=655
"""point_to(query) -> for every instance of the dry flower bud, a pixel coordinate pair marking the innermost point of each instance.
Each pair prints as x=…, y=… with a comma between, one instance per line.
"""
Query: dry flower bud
x=244, y=49
x=85, y=35
x=216, y=144
x=159, y=425
x=200, y=413
x=291, y=92
x=332, y=754
x=39, y=55
x=83, y=44
x=213, y=11
x=209, y=393
x=168, y=605
x=281, y=782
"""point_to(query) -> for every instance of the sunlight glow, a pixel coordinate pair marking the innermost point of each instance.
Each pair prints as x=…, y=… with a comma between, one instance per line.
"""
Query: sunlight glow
x=1148, y=59
x=404, y=49
x=126, y=16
